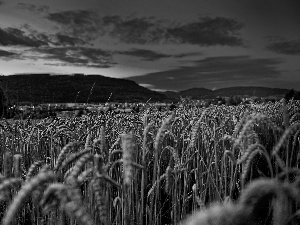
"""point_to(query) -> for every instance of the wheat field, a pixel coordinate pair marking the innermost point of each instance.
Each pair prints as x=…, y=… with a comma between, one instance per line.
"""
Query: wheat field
x=215, y=165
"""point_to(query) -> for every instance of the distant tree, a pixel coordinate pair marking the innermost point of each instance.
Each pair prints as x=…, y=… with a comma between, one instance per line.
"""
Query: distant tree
x=234, y=100
x=290, y=94
x=237, y=100
x=246, y=102
x=229, y=101
x=258, y=100
x=297, y=95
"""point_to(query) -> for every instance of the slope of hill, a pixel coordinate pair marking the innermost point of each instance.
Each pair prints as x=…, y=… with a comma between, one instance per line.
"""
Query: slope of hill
x=251, y=91
x=172, y=95
x=197, y=93
x=45, y=88
x=203, y=93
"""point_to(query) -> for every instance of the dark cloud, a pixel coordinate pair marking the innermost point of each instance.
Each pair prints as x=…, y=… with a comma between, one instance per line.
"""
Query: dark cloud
x=78, y=23
x=33, y=8
x=77, y=56
x=187, y=54
x=58, y=39
x=67, y=40
x=1, y=3
x=137, y=30
x=149, y=30
x=285, y=47
x=215, y=72
x=8, y=55
x=76, y=17
x=14, y=36
x=34, y=34
x=147, y=55
x=208, y=31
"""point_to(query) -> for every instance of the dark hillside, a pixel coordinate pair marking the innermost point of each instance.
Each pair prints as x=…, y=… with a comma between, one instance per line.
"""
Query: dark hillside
x=251, y=91
x=203, y=93
x=197, y=93
x=172, y=95
x=45, y=88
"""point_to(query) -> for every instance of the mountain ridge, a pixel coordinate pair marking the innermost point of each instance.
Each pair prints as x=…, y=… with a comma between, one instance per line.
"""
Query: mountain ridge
x=245, y=91
x=48, y=88
x=63, y=88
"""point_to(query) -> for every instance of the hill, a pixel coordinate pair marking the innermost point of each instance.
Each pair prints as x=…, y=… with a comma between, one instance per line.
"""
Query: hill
x=197, y=93
x=203, y=93
x=171, y=95
x=46, y=88
x=251, y=91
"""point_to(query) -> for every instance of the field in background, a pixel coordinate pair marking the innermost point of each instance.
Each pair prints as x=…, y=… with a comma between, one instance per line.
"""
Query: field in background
x=152, y=168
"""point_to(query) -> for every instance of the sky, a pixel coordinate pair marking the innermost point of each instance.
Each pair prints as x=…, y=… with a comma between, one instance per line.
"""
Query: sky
x=160, y=44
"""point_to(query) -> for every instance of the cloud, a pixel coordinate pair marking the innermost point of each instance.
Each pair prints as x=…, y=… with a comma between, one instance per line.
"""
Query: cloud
x=34, y=34
x=14, y=36
x=82, y=24
x=1, y=3
x=149, y=55
x=8, y=55
x=205, y=31
x=208, y=31
x=63, y=39
x=146, y=55
x=291, y=47
x=136, y=30
x=57, y=39
x=215, y=72
x=182, y=55
x=73, y=17
x=76, y=56
x=33, y=8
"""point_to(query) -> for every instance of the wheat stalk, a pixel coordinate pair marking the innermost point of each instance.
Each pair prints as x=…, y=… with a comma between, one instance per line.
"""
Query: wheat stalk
x=25, y=191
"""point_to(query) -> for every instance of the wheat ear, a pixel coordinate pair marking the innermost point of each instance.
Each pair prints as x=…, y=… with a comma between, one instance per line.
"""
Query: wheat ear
x=219, y=214
x=160, y=134
x=7, y=164
x=72, y=178
x=17, y=165
x=72, y=158
x=32, y=168
x=53, y=196
x=63, y=153
x=128, y=148
x=78, y=211
x=101, y=199
x=25, y=191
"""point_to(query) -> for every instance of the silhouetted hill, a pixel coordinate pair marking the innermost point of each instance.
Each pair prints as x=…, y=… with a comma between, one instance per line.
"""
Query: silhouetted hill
x=251, y=91
x=171, y=94
x=203, y=93
x=197, y=93
x=45, y=88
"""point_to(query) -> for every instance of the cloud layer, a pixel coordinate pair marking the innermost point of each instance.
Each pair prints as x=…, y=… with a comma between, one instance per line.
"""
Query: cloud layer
x=76, y=56
x=215, y=72
x=288, y=47
x=8, y=55
x=33, y=8
x=14, y=36
x=144, y=54
x=205, y=31
x=73, y=44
